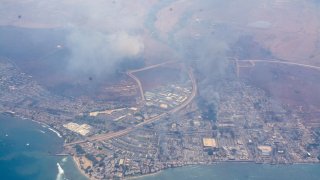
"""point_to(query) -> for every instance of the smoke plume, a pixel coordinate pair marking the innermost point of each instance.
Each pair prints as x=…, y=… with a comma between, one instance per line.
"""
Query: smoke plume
x=99, y=53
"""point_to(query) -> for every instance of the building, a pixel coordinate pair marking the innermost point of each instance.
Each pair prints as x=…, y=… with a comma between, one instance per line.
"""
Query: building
x=83, y=129
x=209, y=142
x=265, y=150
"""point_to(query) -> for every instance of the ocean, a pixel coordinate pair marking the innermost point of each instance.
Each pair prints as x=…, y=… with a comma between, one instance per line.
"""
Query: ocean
x=27, y=152
x=240, y=171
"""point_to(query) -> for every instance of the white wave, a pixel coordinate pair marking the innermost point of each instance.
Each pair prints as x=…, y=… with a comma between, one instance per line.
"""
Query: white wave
x=60, y=175
x=64, y=160
x=42, y=131
x=58, y=134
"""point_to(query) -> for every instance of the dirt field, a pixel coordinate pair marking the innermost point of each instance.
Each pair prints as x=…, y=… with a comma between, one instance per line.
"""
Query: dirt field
x=160, y=76
x=297, y=87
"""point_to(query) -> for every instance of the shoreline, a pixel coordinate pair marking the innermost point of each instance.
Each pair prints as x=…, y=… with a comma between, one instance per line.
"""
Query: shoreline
x=219, y=162
x=78, y=166
x=76, y=161
x=13, y=114
x=145, y=175
x=44, y=125
x=216, y=163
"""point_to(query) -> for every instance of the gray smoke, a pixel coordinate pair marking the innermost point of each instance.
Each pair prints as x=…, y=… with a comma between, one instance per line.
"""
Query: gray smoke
x=208, y=52
x=99, y=53
x=101, y=33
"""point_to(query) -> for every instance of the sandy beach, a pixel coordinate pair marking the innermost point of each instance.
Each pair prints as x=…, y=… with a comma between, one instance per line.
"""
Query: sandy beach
x=76, y=160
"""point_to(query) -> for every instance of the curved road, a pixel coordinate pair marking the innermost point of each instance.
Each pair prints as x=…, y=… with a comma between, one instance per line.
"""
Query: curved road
x=130, y=73
x=139, y=84
x=108, y=136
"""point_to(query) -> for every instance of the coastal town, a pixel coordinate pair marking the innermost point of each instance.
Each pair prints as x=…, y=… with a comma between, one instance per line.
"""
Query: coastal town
x=160, y=89
x=172, y=125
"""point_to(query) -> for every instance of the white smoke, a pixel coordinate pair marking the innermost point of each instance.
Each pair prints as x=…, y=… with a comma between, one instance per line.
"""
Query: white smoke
x=98, y=53
x=126, y=45
x=101, y=32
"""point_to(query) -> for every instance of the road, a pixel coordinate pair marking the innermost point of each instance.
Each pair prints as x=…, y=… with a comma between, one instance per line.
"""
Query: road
x=275, y=61
x=139, y=84
x=130, y=73
x=108, y=136
x=279, y=62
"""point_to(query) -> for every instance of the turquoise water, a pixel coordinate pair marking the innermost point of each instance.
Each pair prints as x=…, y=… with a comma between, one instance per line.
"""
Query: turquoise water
x=241, y=171
x=26, y=152
x=18, y=160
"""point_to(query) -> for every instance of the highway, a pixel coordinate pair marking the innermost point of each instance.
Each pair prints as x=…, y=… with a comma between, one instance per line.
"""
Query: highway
x=107, y=136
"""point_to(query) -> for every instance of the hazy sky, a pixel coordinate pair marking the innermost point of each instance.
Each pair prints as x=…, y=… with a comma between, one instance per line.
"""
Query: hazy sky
x=102, y=32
